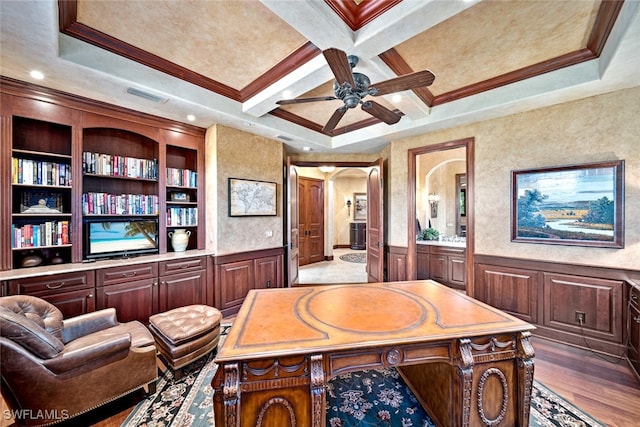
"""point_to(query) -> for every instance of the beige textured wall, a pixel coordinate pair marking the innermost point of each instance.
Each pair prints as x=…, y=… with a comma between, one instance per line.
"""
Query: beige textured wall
x=596, y=129
x=231, y=153
x=342, y=218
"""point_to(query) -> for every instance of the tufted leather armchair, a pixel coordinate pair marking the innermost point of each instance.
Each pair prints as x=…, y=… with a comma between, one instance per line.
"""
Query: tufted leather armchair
x=54, y=368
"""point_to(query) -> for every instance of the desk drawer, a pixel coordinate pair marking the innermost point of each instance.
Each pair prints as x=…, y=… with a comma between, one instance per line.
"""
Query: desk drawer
x=182, y=265
x=117, y=275
x=53, y=283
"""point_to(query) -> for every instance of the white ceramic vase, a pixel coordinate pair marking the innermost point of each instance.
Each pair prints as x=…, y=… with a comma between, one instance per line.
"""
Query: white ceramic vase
x=179, y=239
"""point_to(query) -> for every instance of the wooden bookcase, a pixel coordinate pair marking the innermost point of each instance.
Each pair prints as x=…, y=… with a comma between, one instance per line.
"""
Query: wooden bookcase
x=157, y=163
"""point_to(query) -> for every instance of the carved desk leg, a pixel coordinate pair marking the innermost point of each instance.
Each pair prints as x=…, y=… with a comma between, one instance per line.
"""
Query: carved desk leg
x=525, y=374
x=226, y=397
x=465, y=383
x=318, y=396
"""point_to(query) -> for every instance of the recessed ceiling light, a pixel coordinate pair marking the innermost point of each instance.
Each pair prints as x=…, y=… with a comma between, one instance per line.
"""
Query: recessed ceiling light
x=36, y=74
x=191, y=118
x=396, y=98
x=286, y=94
x=306, y=148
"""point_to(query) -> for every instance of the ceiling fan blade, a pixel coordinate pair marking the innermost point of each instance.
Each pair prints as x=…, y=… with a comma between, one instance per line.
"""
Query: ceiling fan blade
x=398, y=84
x=381, y=112
x=339, y=64
x=335, y=119
x=303, y=100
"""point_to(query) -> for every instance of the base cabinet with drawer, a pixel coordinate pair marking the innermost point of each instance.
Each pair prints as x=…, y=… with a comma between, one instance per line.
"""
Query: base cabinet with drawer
x=72, y=293
x=444, y=264
x=130, y=289
x=139, y=291
x=182, y=282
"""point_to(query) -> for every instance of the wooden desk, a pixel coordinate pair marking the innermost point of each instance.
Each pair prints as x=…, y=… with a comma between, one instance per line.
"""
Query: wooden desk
x=469, y=364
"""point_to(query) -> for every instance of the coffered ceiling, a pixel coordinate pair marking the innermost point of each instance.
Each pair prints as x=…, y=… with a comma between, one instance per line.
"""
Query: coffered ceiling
x=230, y=61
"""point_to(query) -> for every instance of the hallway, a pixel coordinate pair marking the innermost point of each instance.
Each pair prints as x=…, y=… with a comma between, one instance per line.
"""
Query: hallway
x=336, y=271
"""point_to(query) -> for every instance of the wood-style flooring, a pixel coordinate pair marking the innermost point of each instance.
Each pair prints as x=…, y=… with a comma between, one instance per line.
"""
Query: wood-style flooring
x=606, y=389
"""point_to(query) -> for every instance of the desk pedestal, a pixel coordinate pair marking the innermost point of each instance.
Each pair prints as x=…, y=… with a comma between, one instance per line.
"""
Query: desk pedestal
x=483, y=381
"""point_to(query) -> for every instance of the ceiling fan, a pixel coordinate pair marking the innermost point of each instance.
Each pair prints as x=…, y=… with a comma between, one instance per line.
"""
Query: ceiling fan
x=351, y=88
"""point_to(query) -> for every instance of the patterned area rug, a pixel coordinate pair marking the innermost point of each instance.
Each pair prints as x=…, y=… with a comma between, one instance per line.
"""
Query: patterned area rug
x=359, y=258
x=377, y=397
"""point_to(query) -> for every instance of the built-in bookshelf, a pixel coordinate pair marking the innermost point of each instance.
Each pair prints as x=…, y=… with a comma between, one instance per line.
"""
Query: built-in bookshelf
x=182, y=190
x=40, y=192
x=68, y=162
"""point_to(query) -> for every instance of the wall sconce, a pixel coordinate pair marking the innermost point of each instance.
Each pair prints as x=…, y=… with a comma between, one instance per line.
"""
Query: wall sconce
x=433, y=201
x=348, y=203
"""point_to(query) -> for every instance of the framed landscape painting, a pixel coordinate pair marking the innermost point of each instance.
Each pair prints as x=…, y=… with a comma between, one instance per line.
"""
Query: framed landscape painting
x=580, y=205
x=252, y=198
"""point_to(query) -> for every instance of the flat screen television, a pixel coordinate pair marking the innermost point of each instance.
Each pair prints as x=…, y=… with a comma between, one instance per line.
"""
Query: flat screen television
x=110, y=238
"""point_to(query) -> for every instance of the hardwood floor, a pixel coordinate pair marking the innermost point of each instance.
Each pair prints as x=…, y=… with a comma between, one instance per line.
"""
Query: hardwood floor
x=606, y=389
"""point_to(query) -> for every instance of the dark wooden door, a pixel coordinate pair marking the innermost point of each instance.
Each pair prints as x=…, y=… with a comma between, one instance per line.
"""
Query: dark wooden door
x=375, y=224
x=310, y=220
x=293, y=228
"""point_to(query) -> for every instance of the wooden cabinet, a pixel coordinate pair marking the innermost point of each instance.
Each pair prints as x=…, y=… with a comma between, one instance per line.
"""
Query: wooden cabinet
x=237, y=274
x=182, y=282
x=72, y=293
x=444, y=264
x=633, y=326
x=138, y=291
x=131, y=290
x=358, y=235
x=422, y=254
x=123, y=165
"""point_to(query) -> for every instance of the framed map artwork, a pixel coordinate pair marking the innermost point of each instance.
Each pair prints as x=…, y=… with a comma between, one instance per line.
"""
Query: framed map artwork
x=252, y=198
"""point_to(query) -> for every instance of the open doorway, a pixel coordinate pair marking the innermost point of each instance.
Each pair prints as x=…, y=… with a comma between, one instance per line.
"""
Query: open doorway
x=344, y=200
x=347, y=207
x=440, y=209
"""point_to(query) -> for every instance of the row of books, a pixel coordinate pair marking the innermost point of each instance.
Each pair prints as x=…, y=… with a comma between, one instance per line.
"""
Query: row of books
x=36, y=172
x=122, y=166
x=182, y=216
x=49, y=233
x=182, y=177
x=120, y=204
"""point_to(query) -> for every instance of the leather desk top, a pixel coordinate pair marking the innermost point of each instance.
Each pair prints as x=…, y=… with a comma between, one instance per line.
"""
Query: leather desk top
x=320, y=319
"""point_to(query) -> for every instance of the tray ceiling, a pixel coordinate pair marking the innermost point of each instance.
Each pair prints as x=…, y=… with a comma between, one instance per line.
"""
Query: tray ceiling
x=232, y=60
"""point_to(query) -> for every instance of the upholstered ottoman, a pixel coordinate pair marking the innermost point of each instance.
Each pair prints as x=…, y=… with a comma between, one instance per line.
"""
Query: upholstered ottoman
x=185, y=334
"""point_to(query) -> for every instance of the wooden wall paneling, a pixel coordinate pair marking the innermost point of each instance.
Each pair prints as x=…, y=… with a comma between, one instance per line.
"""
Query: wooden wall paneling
x=235, y=280
x=512, y=290
x=599, y=299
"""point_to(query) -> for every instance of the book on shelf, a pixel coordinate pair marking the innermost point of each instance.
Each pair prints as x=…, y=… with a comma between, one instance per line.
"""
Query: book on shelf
x=120, y=166
x=48, y=233
x=182, y=216
x=120, y=204
x=36, y=172
x=182, y=177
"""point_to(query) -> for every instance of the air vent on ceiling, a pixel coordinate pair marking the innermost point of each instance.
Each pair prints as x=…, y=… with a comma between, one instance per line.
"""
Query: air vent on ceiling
x=147, y=95
x=284, y=138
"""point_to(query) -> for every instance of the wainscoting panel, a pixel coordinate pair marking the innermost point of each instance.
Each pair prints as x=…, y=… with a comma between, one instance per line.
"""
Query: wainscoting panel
x=599, y=299
x=512, y=290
